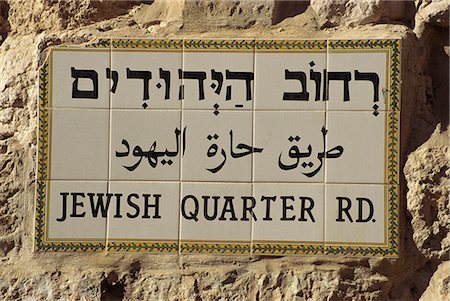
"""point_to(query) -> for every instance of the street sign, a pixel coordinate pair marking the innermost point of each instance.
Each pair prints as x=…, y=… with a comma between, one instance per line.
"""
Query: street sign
x=238, y=146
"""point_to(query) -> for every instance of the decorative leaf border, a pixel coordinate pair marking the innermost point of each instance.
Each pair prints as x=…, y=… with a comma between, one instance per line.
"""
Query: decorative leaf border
x=287, y=249
x=42, y=158
x=163, y=44
x=289, y=45
x=72, y=247
x=218, y=248
x=212, y=44
x=393, y=143
x=231, y=248
x=100, y=43
x=39, y=226
x=139, y=246
x=43, y=85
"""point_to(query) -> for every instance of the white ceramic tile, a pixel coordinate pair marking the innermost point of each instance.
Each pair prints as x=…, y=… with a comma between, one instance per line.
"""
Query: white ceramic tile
x=290, y=80
x=79, y=144
x=145, y=145
x=222, y=72
x=143, y=211
x=291, y=143
x=362, y=138
x=357, y=79
x=288, y=213
x=217, y=147
x=202, y=224
x=71, y=215
x=155, y=68
x=78, y=78
x=355, y=214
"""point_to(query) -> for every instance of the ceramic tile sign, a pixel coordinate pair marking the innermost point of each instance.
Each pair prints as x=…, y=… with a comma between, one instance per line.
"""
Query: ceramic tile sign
x=244, y=146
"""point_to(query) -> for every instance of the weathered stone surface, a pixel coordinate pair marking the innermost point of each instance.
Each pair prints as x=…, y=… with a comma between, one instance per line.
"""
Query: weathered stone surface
x=31, y=26
x=159, y=13
x=232, y=14
x=354, y=12
x=439, y=288
x=434, y=12
x=427, y=172
x=40, y=15
x=212, y=13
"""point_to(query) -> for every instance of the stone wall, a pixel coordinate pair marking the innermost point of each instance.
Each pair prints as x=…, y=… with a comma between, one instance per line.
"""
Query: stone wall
x=421, y=272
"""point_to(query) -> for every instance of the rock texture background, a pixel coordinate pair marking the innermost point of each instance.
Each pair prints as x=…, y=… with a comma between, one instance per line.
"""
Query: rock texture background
x=421, y=272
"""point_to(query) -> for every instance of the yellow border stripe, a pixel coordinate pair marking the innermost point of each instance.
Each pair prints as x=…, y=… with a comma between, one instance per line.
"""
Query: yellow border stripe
x=392, y=141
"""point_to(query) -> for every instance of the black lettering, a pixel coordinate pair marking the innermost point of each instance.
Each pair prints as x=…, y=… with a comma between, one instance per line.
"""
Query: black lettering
x=118, y=196
x=133, y=205
x=95, y=207
x=268, y=217
x=306, y=209
x=228, y=208
x=346, y=77
x=81, y=73
x=114, y=75
x=155, y=205
x=300, y=76
x=317, y=78
x=64, y=207
x=360, y=218
x=248, y=209
x=286, y=208
x=372, y=77
x=198, y=75
x=165, y=75
x=342, y=209
x=146, y=76
x=217, y=76
x=76, y=204
x=192, y=214
x=205, y=207
x=247, y=76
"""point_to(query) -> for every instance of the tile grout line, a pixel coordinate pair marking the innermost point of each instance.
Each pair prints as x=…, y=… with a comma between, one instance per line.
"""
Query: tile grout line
x=325, y=174
x=252, y=224
x=180, y=171
x=109, y=145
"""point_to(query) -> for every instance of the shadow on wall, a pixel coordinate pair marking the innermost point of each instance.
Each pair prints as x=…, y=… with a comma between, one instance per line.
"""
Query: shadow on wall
x=435, y=75
x=398, y=12
x=288, y=8
x=5, y=27
x=111, y=288
x=437, y=40
x=409, y=15
x=105, y=11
